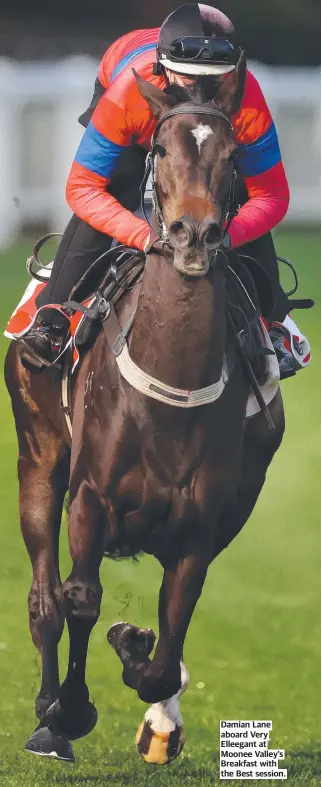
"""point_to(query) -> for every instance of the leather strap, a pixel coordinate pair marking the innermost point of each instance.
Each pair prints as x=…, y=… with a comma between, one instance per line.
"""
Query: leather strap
x=115, y=335
x=156, y=389
x=190, y=109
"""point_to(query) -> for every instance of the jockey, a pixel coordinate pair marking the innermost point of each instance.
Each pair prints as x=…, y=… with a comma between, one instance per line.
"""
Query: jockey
x=103, y=184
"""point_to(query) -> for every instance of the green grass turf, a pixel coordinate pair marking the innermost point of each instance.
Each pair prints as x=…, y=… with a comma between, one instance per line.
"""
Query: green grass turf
x=254, y=638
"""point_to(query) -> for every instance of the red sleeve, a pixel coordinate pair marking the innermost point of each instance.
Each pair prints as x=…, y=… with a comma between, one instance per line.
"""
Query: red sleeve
x=261, y=165
x=267, y=205
x=87, y=196
x=109, y=131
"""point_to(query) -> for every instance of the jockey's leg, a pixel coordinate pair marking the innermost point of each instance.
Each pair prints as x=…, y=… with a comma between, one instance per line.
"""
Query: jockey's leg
x=262, y=249
x=291, y=347
x=80, y=246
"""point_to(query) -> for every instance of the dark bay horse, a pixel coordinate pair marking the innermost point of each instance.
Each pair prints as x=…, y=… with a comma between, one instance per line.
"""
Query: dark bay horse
x=162, y=475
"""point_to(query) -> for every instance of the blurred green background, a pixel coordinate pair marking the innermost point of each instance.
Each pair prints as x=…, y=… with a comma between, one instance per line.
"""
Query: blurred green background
x=253, y=648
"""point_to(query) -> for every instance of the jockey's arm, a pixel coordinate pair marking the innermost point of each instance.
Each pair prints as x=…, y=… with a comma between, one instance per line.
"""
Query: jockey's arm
x=87, y=187
x=261, y=166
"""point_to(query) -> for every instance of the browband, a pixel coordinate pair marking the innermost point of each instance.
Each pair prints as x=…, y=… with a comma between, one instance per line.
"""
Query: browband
x=190, y=109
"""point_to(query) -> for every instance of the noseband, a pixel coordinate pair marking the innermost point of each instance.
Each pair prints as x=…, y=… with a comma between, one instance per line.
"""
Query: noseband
x=230, y=209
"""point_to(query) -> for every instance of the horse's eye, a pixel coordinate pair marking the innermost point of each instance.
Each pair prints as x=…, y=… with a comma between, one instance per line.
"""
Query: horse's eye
x=161, y=151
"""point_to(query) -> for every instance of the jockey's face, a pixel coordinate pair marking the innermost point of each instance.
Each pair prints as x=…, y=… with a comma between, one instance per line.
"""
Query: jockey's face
x=179, y=79
x=184, y=79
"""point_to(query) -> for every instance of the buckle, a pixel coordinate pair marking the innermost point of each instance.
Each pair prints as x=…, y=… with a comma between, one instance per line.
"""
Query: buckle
x=103, y=307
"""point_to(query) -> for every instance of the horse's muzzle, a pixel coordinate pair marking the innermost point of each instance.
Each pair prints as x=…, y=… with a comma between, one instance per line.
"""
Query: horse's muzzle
x=194, y=244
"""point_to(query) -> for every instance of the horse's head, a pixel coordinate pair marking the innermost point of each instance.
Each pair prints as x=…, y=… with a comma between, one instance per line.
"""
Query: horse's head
x=193, y=154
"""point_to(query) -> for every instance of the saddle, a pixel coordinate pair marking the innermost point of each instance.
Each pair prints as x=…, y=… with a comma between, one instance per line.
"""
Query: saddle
x=249, y=295
x=107, y=283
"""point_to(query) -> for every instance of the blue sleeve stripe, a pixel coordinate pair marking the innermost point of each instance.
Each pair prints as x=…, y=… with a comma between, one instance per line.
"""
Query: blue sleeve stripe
x=260, y=156
x=131, y=56
x=97, y=153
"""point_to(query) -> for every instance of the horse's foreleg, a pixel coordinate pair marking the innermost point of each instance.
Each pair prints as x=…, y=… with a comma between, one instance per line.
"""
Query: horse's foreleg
x=160, y=738
x=159, y=679
x=72, y=714
x=180, y=590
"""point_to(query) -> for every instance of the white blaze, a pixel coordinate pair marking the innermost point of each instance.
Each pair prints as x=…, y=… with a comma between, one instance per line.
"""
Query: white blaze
x=201, y=133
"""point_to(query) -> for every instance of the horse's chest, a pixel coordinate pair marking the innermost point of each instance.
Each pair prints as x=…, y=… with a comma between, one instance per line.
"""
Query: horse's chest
x=156, y=505
x=158, y=483
x=155, y=518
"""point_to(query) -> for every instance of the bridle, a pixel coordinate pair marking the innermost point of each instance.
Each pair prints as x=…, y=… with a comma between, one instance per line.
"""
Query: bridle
x=230, y=208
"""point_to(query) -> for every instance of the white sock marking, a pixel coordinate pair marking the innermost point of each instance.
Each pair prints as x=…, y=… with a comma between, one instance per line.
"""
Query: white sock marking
x=201, y=133
x=165, y=716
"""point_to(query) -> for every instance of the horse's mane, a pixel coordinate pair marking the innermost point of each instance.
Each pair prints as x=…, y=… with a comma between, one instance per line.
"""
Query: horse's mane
x=203, y=90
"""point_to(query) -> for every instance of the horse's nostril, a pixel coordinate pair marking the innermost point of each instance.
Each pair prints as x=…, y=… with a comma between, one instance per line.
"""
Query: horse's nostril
x=210, y=233
x=213, y=235
x=181, y=233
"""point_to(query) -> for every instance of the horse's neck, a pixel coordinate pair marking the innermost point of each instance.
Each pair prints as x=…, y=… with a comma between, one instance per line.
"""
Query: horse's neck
x=179, y=330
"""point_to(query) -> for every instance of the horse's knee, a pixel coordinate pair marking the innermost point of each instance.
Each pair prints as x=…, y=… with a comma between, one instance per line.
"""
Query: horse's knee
x=46, y=613
x=82, y=599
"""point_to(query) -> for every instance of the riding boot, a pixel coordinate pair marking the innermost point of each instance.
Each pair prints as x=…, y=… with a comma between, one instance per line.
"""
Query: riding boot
x=291, y=346
x=46, y=340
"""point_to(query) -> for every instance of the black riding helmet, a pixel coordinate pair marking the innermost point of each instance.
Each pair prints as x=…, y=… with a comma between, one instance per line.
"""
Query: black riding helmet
x=197, y=40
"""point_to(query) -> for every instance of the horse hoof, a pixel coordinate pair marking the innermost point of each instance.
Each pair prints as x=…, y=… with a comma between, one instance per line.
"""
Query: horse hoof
x=125, y=635
x=46, y=743
x=159, y=748
x=71, y=724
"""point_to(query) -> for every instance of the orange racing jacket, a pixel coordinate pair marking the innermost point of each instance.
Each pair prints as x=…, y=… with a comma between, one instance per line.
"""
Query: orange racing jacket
x=123, y=117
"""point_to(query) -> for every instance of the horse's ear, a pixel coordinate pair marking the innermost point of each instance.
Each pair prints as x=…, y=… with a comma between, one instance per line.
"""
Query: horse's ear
x=230, y=93
x=158, y=101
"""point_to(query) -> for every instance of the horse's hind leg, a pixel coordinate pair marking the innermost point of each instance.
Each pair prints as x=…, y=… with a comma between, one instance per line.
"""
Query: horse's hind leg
x=72, y=714
x=259, y=447
x=41, y=501
x=43, y=469
x=41, y=496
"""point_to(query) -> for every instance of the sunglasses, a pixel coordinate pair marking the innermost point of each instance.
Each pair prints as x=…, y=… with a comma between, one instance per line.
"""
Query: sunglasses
x=213, y=50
